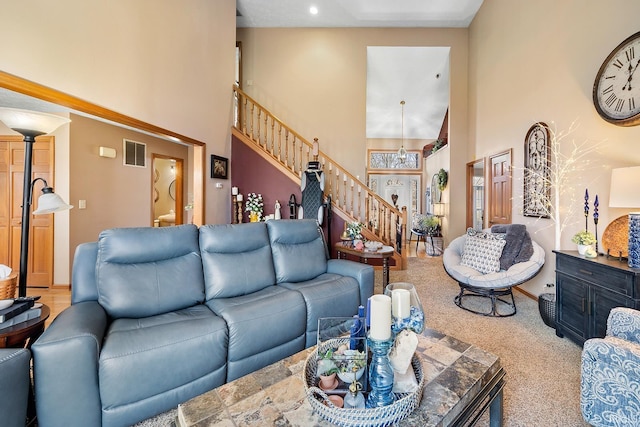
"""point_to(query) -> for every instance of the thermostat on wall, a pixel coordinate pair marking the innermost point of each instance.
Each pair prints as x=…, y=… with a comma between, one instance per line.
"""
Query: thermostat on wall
x=108, y=152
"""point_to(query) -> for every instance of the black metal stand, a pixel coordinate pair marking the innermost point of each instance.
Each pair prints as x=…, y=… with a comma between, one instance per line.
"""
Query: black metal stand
x=493, y=294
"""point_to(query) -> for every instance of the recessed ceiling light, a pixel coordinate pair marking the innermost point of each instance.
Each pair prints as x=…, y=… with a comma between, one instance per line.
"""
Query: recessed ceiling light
x=313, y=10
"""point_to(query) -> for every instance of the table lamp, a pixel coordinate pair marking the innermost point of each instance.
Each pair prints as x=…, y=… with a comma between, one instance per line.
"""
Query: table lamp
x=31, y=124
x=625, y=194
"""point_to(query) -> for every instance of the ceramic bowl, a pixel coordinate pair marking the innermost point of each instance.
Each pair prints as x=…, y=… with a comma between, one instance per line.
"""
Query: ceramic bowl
x=372, y=245
x=5, y=303
x=347, y=377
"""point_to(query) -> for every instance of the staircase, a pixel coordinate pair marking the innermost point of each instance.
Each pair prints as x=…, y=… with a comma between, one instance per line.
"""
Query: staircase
x=350, y=198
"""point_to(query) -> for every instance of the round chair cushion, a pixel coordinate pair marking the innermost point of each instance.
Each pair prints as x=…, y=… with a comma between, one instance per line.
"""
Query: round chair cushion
x=515, y=275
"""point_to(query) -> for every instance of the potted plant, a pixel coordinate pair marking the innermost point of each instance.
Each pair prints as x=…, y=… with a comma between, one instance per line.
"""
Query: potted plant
x=584, y=240
x=430, y=224
x=443, y=178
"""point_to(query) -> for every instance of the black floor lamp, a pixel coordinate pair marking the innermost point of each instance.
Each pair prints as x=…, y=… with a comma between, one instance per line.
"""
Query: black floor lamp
x=32, y=124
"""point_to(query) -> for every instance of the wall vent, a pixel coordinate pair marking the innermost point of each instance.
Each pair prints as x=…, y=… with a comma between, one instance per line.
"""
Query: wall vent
x=135, y=153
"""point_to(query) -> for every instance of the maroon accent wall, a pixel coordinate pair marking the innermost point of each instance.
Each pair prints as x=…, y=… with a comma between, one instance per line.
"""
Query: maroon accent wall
x=253, y=174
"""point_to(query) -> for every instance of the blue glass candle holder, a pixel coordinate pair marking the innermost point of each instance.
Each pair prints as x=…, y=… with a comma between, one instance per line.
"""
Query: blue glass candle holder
x=405, y=314
x=380, y=374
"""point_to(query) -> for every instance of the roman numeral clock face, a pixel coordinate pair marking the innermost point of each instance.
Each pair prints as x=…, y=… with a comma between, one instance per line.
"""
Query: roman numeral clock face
x=616, y=91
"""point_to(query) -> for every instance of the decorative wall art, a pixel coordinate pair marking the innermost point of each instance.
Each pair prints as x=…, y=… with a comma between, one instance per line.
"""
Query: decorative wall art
x=381, y=160
x=537, y=161
x=219, y=167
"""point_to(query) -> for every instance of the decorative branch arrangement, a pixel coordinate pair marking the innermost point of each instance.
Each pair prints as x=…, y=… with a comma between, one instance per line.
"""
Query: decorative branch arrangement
x=559, y=175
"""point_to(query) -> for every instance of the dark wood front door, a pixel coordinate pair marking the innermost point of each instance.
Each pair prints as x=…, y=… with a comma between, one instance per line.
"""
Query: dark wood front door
x=500, y=188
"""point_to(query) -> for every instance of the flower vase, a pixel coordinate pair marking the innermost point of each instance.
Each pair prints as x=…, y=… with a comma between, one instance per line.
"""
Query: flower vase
x=582, y=249
x=406, y=309
x=253, y=217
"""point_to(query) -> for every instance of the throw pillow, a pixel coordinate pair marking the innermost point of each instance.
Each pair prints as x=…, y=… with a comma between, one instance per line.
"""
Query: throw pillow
x=482, y=251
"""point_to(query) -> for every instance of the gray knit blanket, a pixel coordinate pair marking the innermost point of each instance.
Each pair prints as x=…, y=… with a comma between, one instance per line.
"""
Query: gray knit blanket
x=518, y=247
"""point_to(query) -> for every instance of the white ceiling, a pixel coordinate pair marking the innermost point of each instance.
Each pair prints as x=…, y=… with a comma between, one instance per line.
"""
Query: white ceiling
x=417, y=75
x=357, y=13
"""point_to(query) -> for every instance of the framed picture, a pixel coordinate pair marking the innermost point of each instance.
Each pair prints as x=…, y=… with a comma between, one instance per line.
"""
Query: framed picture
x=219, y=167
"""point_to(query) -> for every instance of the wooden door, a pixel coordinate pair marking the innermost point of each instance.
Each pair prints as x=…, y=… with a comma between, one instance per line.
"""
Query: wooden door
x=40, y=260
x=500, y=188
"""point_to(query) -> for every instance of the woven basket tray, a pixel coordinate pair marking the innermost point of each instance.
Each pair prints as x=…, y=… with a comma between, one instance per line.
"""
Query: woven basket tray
x=8, y=286
x=404, y=404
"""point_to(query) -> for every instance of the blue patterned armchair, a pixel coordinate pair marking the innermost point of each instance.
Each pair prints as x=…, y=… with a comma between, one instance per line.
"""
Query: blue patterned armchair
x=610, y=386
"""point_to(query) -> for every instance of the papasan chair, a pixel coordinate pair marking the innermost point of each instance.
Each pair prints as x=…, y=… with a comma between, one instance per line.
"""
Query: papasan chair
x=488, y=264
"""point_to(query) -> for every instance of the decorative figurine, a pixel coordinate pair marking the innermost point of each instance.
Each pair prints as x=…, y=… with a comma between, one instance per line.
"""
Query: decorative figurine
x=277, y=213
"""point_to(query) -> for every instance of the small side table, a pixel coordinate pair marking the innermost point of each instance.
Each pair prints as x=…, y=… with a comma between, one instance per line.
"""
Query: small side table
x=25, y=333
x=344, y=249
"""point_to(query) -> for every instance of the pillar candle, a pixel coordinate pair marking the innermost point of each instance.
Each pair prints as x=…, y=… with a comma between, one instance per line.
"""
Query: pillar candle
x=401, y=303
x=234, y=191
x=239, y=198
x=380, y=318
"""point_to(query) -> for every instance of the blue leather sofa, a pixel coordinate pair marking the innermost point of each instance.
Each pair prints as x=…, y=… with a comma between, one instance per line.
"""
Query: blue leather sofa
x=14, y=386
x=160, y=315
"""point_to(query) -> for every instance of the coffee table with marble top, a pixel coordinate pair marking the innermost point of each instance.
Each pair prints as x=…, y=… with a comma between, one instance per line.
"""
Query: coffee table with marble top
x=461, y=382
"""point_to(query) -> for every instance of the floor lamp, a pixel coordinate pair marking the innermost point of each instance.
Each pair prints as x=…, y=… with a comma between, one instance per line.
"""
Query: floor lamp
x=31, y=124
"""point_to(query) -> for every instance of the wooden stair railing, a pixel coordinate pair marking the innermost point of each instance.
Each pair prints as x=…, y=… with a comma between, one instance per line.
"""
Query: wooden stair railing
x=349, y=196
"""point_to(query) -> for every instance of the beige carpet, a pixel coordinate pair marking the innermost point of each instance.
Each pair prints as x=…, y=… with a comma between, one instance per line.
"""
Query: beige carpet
x=543, y=371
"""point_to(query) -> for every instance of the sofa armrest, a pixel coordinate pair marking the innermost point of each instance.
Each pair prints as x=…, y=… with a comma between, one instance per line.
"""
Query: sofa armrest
x=624, y=323
x=610, y=379
x=361, y=272
x=65, y=362
x=14, y=385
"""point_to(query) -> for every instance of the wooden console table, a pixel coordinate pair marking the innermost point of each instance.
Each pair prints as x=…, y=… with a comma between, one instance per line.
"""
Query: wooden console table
x=586, y=291
x=386, y=252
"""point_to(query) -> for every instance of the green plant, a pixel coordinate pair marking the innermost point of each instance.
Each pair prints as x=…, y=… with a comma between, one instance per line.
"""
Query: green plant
x=584, y=238
x=437, y=144
x=431, y=224
x=354, y=229
x=443, y=178
x=255, y=204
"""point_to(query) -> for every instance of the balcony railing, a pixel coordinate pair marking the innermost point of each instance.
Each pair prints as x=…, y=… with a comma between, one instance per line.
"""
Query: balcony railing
x=352, y=197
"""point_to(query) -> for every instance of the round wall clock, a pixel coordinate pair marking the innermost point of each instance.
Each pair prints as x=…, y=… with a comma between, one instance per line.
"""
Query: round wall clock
x=616, y=90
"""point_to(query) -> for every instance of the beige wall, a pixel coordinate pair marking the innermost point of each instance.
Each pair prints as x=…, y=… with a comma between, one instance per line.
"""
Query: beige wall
x=116, y=195
x=164, y=62
x=314, y=79
x=536, y=61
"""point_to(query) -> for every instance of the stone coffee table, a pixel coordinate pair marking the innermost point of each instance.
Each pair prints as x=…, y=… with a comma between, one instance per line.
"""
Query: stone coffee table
x=461, y=382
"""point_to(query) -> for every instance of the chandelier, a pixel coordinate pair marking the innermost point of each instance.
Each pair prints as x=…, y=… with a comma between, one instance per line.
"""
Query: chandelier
x=402, y=153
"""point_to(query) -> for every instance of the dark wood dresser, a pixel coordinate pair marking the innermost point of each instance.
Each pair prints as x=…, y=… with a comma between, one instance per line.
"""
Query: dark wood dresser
x=586, y=291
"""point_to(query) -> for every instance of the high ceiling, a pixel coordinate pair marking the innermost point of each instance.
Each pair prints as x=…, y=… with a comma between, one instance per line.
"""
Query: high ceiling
x=356, y=13
x=417, y=75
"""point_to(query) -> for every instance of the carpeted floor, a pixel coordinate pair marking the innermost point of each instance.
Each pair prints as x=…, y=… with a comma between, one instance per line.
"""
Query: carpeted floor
x=543, y=371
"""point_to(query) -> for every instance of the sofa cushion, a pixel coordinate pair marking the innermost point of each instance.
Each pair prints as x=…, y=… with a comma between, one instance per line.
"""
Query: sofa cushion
x=298, y=249
x=147, y=271
x=145, y=358
x=482, y=251
x=236, y=259
x=264, y=326
x=328, y=295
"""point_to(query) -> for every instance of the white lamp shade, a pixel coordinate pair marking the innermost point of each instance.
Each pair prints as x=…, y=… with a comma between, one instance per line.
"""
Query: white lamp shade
x=50, y=203
x=438, y=209
x=31, y=123
x=624, y=191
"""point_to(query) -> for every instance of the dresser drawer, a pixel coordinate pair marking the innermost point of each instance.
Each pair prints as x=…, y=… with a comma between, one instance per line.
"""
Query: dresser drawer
x=613, y=279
